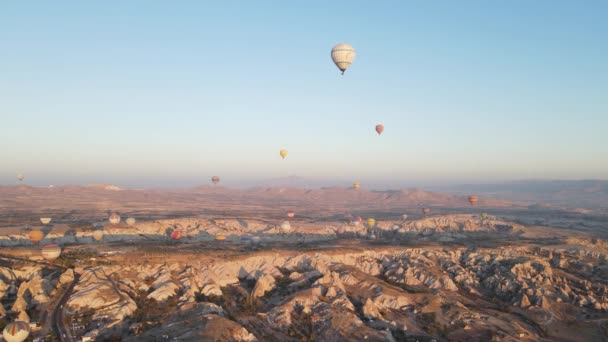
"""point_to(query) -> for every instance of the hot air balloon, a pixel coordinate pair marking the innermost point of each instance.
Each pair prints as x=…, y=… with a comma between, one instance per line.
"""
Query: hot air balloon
x=379, y=129
x=256, y=240
x=98, y=235
x=114, y=218
x=17, y=331
x=473, y=199
x=356, y=185
x=371, y=222
x=131, y=221
x=176, y=234
x=484, y=215
x=285, y=227
x=343, y=56
x=20, y=177
x=426, y=211
x=45, y=220
x=291, y=213
x=51, y=252
x=358, y=220
x=36, y=236
x=283, y=153
x=220, y=237
x=215, y=179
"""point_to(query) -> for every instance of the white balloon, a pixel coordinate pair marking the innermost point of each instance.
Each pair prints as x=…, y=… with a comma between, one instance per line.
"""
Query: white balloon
x=343, y=56
x=45, y=220
x=285, y=226
x=130, y=221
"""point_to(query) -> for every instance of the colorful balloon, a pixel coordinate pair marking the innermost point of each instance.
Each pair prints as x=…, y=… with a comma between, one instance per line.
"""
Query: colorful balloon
x=358, y=220
x=371, y=222
x=484, y=216
x=473, y=199
x=114, y=218
x=176, y=235
x=220, y=237
x=215, y=179
x=45, y=220
x=17, y=331
x=283, y=153
x=291, y=213
x=51, y=252
x=379, y=129
x=356, y=185
x=343, y=56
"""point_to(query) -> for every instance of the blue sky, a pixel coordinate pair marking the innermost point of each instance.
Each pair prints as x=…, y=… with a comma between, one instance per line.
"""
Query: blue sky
x=147, y=93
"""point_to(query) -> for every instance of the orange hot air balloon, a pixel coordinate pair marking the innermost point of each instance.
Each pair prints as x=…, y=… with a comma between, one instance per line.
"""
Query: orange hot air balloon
x=426, y=211
x=215, y=179
x=283, y=153
x=176, y=235
x=379, y=129
x=36, y=236
x=473, y=199
x=356, y=185
x=220, y=238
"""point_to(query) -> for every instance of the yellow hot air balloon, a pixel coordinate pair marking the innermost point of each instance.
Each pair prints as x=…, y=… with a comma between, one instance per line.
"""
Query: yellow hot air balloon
x=371, y=222
x=220, y=237
x=98, y=234
x=356, y=185
x=36, y=235
x=283, y=153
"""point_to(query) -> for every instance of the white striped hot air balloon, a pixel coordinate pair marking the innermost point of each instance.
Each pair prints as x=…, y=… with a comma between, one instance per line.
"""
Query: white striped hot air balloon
x=17, y=331
x=51, y=252
x=343, y=56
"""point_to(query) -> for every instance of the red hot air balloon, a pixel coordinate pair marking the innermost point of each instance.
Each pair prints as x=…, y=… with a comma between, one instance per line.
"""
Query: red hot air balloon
x=358, y=220
x=473, y=199
x=291, y=213
x=379, y=129
x=176, y=235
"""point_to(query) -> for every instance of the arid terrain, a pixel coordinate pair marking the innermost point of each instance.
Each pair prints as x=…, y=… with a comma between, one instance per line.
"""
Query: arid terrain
x=526, y=272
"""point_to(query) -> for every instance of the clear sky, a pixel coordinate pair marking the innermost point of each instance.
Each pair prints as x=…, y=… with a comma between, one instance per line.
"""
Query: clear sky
x=150, y=93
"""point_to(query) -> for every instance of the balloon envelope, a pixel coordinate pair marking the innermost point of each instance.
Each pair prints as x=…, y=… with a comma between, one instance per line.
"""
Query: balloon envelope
x=17, y=331
x=51, y=252
x=215, y=179
x=20, y=177
x=371, y=222
x=176, y=235
x=484, y=215
x=343, y=56
x=45, y=220
x=291, y=213
x=98, y=235
x=131, y=221
x=220, y=237
x=285, y=226
x=114, y=219
x=473, y=199
x=283, y=153
x=404, y=217
x=358, y=220
x=379, y=129
x=36, y=235
x=356, y=185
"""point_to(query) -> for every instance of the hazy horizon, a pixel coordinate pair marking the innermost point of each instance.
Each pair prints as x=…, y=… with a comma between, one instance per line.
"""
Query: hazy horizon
x=152, y=94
